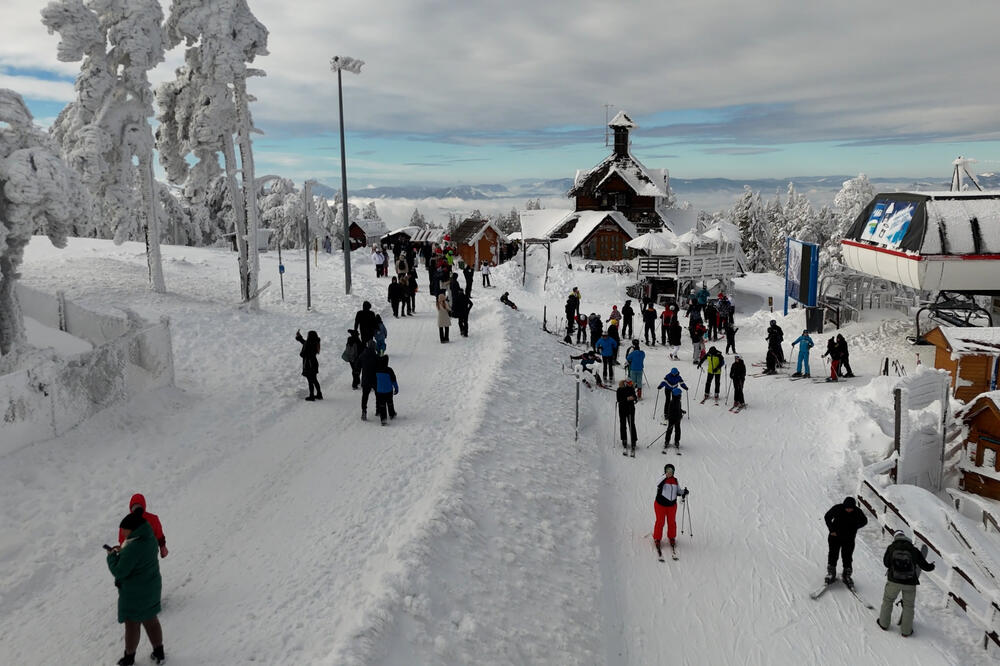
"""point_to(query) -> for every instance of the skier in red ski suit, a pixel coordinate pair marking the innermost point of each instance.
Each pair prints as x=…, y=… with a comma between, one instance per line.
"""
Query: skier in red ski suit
x=137, y=503
x=665, y=506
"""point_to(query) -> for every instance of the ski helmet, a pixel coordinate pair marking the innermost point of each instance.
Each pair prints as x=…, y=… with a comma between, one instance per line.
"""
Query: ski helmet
x=669, y=467
x=674, y=371
x=677, y=390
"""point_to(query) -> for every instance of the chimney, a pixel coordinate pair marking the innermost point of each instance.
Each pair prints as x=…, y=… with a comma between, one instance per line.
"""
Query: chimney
x=621, y=124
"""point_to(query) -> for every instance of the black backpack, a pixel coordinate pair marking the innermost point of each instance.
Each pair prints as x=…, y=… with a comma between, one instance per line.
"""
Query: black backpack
x=902, y=565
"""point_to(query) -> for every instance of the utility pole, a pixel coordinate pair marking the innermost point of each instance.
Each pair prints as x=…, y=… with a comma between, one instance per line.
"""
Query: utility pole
x=353, y=65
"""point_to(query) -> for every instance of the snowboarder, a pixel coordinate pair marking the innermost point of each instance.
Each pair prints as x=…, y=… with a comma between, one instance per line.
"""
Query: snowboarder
x=368, y=360
x=625, y=398
x=607, y=346
x=505, y=299
x=635, y=359
x=352, y=352
x=395, y=296
x=738, y=375
x=714, y=362
x=364, y=322
x=833, y=351
x=310, y=364
x=697, y=331
x=649, y=324
x=775, y=336
x=673, y=413
x=901, y=560
x=443, y=318
x=137, y=504
x=845, y=358
x=385, y=388
x=668, y=316
x=805, y=344
x=665, y=506
x=730, y=336
x=628, y=314
x=484, y=269
x=674, y=335
x=137, y=576
x=843, y=520
x=468, y=273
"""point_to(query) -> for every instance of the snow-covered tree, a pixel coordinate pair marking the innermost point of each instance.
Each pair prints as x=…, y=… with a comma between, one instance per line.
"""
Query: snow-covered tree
x=799, y=217
x=417, y=219
x=774, y=216
x=104, y=133
x=755, y=235
x=370, y=212
x=282, y=209
x=207, y=104
x=853, y=196
x=37, y=191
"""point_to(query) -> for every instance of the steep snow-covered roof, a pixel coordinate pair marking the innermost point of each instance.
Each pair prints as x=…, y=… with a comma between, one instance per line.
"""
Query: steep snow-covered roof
x=431, y=235
x=644, y=182
x=471, y=231
x=586, y=222
x=538, y=224
x=622, y=119
x=972, y=339
x=371, y=227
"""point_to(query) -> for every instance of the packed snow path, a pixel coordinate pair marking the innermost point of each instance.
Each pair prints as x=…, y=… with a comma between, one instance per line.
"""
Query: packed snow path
x=472, y=529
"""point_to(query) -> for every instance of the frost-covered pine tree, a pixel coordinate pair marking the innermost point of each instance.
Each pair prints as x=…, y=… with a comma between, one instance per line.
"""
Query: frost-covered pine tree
x=799, y=216
x=37, y=191
x=774, y=215
x=417, y=219
x=281, y=209
x=853, y=196
x=207, y=104
x=370, y=212
x=107, y=126
x=755, y=235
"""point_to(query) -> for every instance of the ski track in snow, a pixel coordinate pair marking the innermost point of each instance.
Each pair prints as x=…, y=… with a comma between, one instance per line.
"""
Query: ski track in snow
x=473, y=529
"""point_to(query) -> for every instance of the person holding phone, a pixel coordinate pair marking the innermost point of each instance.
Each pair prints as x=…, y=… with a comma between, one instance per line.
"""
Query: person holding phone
x=136, y=567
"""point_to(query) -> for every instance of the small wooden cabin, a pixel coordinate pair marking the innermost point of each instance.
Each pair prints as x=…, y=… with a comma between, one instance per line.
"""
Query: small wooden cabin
x=477, y=241
x=980, y=466
x=970, y=354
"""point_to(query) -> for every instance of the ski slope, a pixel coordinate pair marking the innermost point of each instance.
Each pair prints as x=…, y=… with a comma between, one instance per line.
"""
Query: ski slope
x=473, y=529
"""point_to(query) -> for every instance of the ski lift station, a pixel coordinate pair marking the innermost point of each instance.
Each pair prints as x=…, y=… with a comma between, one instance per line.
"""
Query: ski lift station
x=931, y=241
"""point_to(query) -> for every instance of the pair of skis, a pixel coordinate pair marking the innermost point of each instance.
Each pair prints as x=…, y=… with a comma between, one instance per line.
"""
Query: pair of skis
x=706, y=398
x=659, y=552
x=625, y=452
x=819, y=592
x=736, y=409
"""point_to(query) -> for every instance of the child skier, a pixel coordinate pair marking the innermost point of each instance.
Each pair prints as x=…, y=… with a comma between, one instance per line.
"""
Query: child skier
x=665, y=507
x=805, y=344
x=635, y=359
x=385, y=388
x=625, y=397
x=673, y=412
x=380, y=335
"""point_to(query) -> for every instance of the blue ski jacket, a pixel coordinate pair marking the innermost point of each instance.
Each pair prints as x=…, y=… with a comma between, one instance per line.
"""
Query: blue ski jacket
x=636, y=358
x=672, y=381
x=606, y=346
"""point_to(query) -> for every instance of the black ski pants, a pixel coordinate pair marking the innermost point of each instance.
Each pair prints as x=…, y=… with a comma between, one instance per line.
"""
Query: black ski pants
x=395, y=308
x=708, y=382
x=463, y=325
x=626, y=418
x=627, y=327
x=649, y=332
x=609, y=368
x=581, y=335
x=674, y=428
x=383, y=403
x=845, y=548
x=365, y=390
x=738, y=398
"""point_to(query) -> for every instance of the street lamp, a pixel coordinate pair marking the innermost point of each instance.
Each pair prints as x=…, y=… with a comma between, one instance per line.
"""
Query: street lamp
x=353, y=65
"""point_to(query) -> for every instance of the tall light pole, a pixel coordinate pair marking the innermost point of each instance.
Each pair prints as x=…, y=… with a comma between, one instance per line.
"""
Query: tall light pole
x=353, y=65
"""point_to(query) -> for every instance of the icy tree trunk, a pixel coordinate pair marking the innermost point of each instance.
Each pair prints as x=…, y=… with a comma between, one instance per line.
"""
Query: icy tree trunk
x=149, y=207
x=239, y=212
x=249, y=184
x=11, y=321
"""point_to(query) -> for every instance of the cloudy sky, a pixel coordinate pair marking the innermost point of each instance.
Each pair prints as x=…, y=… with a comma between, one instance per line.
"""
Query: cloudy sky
x=490, y=92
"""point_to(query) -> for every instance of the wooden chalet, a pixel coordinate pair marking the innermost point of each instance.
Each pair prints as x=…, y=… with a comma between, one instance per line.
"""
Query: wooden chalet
x=365, y=233
x=980, y=465
x=477, y=241
x=621, y=183
x=970, y=354
x=590, y=234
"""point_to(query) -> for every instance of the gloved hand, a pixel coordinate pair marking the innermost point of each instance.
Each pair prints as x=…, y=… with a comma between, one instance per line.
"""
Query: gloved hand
x=685, y=493
x=395, y=391
x=931, y=567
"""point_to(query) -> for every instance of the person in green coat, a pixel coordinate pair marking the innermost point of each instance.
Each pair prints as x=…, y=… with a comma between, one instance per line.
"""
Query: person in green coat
x=136, y=568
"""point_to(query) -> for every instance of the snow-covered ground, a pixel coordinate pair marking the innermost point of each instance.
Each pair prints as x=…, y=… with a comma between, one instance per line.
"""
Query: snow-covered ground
x=473, y=529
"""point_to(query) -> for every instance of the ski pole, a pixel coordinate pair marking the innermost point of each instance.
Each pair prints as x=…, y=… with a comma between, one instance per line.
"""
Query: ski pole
x=688, y=397
x=728, y=384
x=614, y=422
x=655, y=403
x=698, y=383
x=657, y=438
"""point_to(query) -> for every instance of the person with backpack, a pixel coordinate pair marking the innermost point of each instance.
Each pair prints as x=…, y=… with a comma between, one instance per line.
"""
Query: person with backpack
x=137, y=504
x=625, y=398
x=581, y=328
x=901, y=560
x=612, y=332
x=635, y=359
x=805, y=344
x=843, y=521
x=136, y=570
x=649, y=324
x=674, y=335
x=352, y=351
x=310, y=364
x=627, y=315
x=714, y=362
x=668, y=316
x=833, y=351
x=395, y=296
x=385, y=388
x=665, y=507
x=845, y=357
x=607, y=347
x=673, y=412
x=738, y=375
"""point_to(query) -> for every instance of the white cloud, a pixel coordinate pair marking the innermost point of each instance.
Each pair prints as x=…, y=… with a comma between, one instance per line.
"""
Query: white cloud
x=34, y=88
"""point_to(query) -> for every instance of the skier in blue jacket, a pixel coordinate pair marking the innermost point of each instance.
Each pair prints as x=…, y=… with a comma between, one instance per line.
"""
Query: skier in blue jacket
x=672, y=380
x=635, y=359
x=385, y=388
x=805, y=344
x=607, y=347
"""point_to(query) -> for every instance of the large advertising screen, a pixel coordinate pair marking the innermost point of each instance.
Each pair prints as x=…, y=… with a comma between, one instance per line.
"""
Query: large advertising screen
x=889, y=221
x=801, y=272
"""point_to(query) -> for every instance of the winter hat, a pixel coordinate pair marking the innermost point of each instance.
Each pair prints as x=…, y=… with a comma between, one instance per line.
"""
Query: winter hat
x=132, y=521
x=850, y=502
x=773, y=322
x=677, y=390
x=673, y=307
x=900, y=534
x=668, y=466
x=635, y=342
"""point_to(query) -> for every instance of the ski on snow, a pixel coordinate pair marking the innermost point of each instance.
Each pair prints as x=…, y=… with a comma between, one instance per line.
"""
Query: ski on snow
x=816, y=594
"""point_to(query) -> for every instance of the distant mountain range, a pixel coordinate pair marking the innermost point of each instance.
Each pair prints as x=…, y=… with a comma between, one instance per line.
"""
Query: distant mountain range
x=682, y=187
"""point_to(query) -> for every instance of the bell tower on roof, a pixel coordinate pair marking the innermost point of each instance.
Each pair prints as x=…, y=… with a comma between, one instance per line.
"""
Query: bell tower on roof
x=621, y=124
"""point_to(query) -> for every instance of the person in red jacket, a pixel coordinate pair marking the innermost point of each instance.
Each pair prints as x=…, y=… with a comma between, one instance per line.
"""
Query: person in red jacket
x=665, y=506
x=138, y=505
